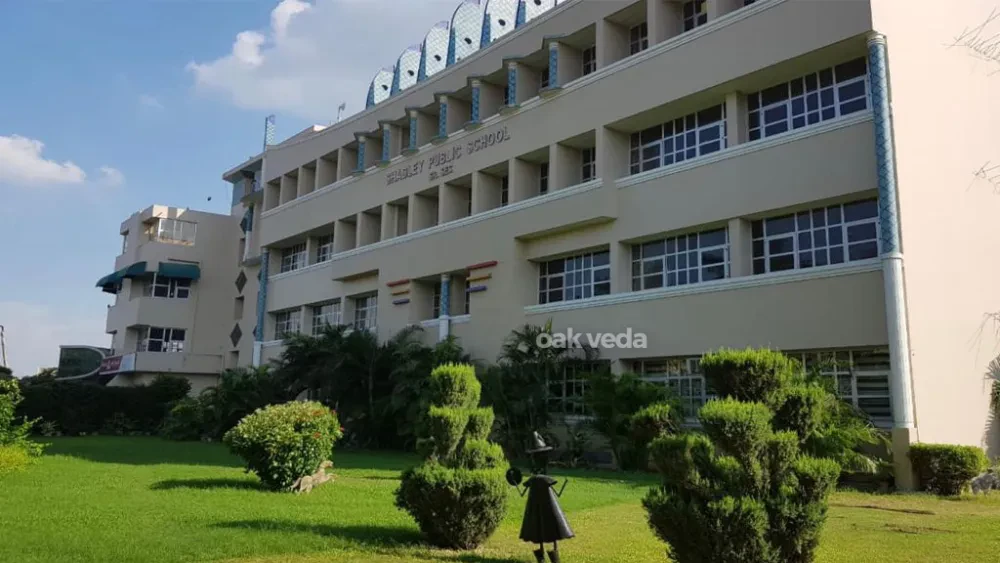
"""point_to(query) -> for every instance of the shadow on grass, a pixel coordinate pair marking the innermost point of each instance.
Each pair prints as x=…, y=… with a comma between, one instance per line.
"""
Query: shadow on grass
x=381, y=539
x=207, y=484
x=142, y=451
x=884, y=508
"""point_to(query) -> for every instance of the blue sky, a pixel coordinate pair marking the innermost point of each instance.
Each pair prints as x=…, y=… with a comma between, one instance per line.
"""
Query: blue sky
x=107, y=107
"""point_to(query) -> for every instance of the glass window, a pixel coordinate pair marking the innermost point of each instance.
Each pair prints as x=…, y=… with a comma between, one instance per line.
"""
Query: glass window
x=638, y=38
x=681, y=260
x=567, y=386
x=589, y=56
x=860, y=377
x=680, y=375
x=543, y=178
x=170, y=288
x=695, y=14
x=678, y=140
x=577, y=277
x=324, y=248
x=366, y=312
x=293, y=257
x=810, y=99
x=156, y=339
x=285, y=323
x=504, y=191
x=589, y=158
x=436, y=301
x=327, y=314
x=543, y=79
x=818, y=237
x=172, y=231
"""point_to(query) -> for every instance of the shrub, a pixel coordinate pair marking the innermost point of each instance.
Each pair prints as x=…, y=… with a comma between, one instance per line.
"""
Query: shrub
x=650, y=423
x=744, y=490
x=186, y=421
x=13, y=458
x=458, y=496
x=614, y=400
x=12, y=433
x=281, y=443
x=946, y=469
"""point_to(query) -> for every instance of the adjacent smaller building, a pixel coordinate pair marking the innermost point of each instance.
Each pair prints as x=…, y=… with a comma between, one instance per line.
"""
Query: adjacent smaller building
x=171, y=280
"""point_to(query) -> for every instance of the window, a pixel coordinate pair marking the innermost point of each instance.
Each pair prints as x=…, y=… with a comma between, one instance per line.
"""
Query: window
x=680, y=375
x=327, y=314
x=436, y=301
x=861, y=377
x=172, y=231
x=589, y=158
x=638, y=38
x=504, y=191
x=681, y=260
x=543, y=178
x=324, y=248
x=155, y=339
x=543, y=79
x=678, y=140
x=819, y=96
x=566, y=388
x=293, y=258
x=577, y=277
x=468, y=302
x=589, y=59
x=748, y=2
x=285, y=323
x=171, y=288
x=827, y=235
x=506, y=95
x=124, y=243
x=695, y=14
x=365, y=312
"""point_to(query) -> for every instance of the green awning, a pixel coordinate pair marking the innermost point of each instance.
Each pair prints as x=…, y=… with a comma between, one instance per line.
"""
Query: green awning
x=110, y=282
x=181, y=271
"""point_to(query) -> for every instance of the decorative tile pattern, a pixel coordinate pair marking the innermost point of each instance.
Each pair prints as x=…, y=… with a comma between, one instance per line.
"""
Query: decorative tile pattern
x=484, y=37
x=361, y=154
x=241, y=281
x=553, y=65
x=422, y=69
x=394, y=89
x=386, y=142
x=413, y=132
x=445, y=295
x=443, y=119
x=885, y=157
x=370, y=101
x=235, y=335
x=522, y=14
x=512, y=85
x=475, y=103
x=265, y=255
x=450, y=58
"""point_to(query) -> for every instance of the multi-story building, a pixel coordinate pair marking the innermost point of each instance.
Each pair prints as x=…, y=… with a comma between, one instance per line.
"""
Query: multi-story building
x=173, y=310
x=707, y=173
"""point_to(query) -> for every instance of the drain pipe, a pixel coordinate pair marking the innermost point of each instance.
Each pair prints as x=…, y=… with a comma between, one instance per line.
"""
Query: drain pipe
x=900, y=381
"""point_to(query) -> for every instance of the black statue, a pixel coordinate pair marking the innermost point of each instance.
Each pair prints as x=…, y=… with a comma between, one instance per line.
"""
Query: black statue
x=544, y=521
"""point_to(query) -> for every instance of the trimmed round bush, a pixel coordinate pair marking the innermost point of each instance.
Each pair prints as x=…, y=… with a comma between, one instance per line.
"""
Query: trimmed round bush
x=13, y=458
x=946, y=469
x=281, y=443
x=458, y=496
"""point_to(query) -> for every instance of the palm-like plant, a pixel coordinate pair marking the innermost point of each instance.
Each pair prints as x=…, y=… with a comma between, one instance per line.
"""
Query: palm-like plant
x=240, y=392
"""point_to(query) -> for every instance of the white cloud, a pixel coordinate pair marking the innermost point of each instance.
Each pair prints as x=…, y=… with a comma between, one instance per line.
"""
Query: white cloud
x=111, y=177
x=151, y=102
x=34, y=333
x=21, y=162
x=315, y=55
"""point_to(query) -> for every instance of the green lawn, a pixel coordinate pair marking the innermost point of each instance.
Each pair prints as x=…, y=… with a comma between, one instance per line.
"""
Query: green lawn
x=147, y=500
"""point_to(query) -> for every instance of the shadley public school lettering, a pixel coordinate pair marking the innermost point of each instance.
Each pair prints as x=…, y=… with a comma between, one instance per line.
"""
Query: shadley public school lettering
x=439, y=162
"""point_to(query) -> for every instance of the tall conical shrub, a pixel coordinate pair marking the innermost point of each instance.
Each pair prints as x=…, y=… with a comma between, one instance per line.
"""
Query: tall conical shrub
x=458, y=495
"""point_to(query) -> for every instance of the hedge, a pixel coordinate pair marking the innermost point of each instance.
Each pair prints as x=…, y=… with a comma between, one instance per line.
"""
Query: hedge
x=947, y=469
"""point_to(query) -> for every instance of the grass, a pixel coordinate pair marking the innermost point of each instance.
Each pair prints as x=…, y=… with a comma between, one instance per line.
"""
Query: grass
x=146, y=500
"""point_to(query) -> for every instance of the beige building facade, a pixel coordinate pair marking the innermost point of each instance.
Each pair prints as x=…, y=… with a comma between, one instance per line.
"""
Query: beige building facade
x=807, y=175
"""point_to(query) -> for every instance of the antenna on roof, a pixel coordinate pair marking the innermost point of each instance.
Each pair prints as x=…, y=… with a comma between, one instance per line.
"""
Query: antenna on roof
x=340, y=109
x=268, y=131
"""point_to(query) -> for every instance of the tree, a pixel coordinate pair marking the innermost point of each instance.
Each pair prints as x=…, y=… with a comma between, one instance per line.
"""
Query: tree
x=6, y=373
x=614, y=400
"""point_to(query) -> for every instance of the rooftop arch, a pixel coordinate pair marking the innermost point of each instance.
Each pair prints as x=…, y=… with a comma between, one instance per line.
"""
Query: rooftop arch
x=499, y=19
x=434, y=51
x=380, y=88
x=466, y=30
x=407, y=68
x=535, y=8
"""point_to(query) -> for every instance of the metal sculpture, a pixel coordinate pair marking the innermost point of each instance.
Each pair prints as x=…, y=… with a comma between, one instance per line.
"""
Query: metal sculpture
x=544, y=521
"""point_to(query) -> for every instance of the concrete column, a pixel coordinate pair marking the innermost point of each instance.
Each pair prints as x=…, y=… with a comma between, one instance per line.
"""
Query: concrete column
x=474, y=108
x=554, y=81
x=527, y=82
x=422, y=213
x=326, y=172
x=451, y=203
x=289, y=189
x=310, y=250
x=522, y=181
x=485, y=192
x=346, y=162
x=620, y=255
x=740, y=248
x=388, y=221
x=361, y=158
x=612, y=154
x=512, y=79
x=272, y=194
x=307, y=180
x=459, y=113
x=570, y=66
x=427, y=128
x=564, y=167
x=373, y=151
x=444, y=326
x=490, y=99
x=411, y=142
x=737, y=130
x=344, y=236
x=305, y=320
x=664, y=19
x=387, y=140
x=458, y=287
x=612, y=43
x=368, y=227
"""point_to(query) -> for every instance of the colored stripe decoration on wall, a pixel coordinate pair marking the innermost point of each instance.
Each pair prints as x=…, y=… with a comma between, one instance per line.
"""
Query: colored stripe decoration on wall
x=402, y=301
x=478, y=276
x=398, y=288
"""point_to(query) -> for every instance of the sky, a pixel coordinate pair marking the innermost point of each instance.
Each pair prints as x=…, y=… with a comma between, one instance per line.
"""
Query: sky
x=109, y=106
